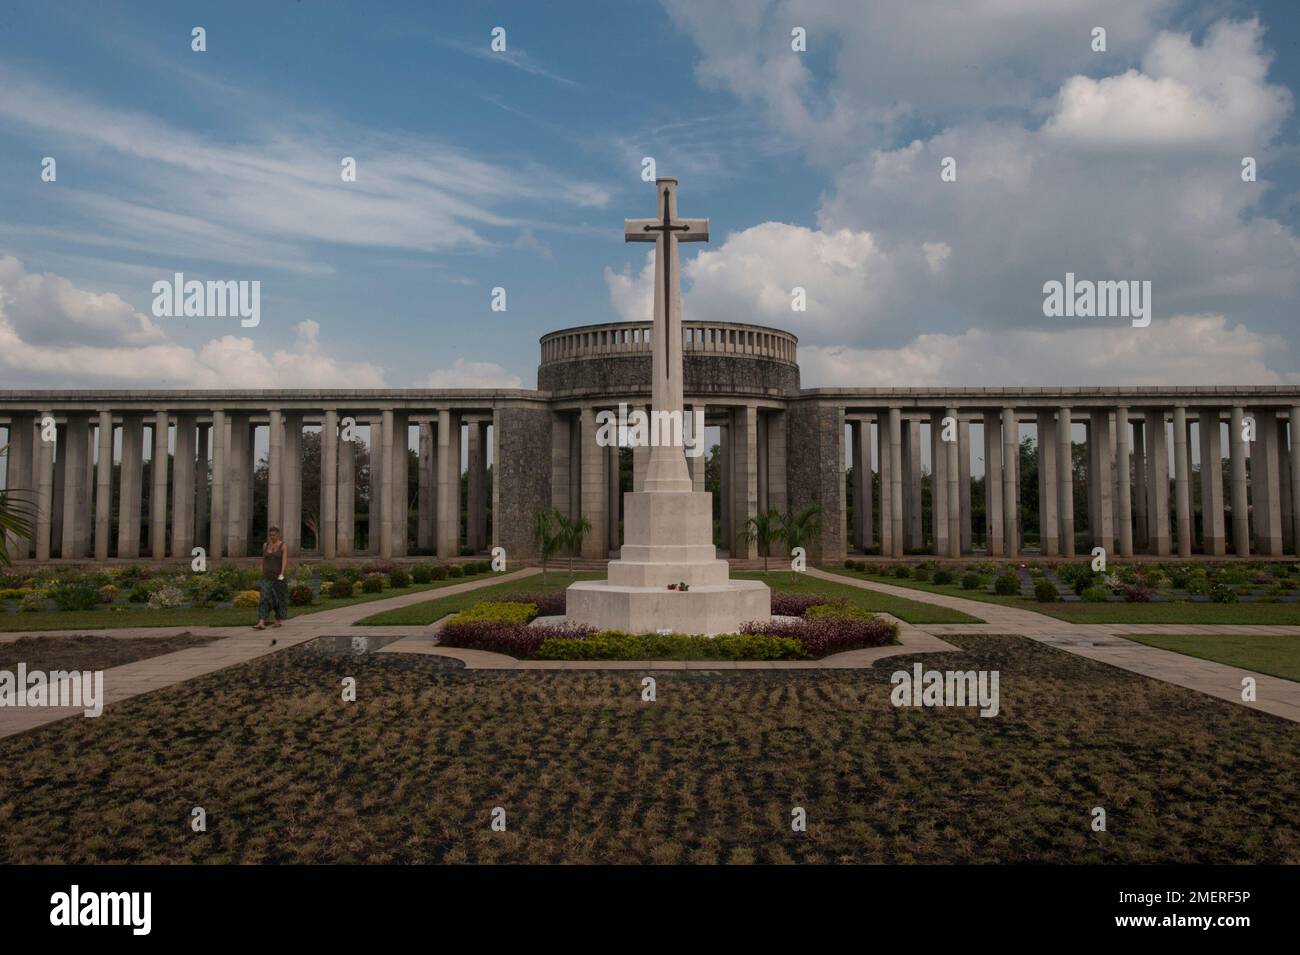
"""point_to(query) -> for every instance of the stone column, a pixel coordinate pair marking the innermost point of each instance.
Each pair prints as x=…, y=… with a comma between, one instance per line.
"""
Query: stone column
x=778, y=486
x=744, y=479
x=201, y=505
x=1294, y=490
x=726, y=509
x=346, y=535
x=614, y=497
x=448, y=484
x=103, y=485
x=963, y=438
x=158, y=496
x=1284, y=484
x=19, y=469
x=183, y=487
x=561, y=472
x=44, y=484
x=886, y=492
x=1102, y=480
x=952, y=451
x=1010, y=480
x=220, y=473
x=238, y=500
x=131, y=491
x=595, y=488
x=994, y=530
x=1158, y=483
x=1182, y=483
x=1212, y=530
x=424, y=503
x=73, y=453
x=912, y=500
x=895, y=516
x=476, y=519
x=397, y=467
x=938, y=484
x=1240, y=508
x=329, y=484
x=1125, y=501
x=1049, y=539
x=1065, y=480
x=1264, y=485
x=275, y=470
x=291, y=486
x=375, y=488
x=859, y=519
x=382, y=489
x=761, y=446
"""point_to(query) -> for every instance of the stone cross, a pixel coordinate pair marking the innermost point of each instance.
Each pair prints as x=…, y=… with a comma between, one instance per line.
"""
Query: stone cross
x=666, y=338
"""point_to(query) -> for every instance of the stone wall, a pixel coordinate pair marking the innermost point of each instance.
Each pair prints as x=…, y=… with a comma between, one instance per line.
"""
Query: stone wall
x=522, y=459
x=629, y=375
x=815, y=471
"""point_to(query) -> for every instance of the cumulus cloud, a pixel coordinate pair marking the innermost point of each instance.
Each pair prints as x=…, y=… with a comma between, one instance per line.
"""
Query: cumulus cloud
x=472, y=374
x=1185, y=350
x=55, y=335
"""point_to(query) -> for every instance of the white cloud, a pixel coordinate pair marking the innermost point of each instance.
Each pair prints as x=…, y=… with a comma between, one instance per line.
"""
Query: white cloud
x=1184, y=350
x=472, y=374
x=88, y=340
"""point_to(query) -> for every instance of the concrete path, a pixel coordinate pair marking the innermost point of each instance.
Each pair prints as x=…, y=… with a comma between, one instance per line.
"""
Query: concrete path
x=1104, y=642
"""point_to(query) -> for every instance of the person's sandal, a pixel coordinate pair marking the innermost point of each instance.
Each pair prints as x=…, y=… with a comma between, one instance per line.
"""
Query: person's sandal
x=259, y=626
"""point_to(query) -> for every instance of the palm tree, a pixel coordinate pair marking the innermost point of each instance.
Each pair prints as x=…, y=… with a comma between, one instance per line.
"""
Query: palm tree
x=763, y=530
x=548, y=535
x=572, y=530
x=17, y=517
x=798, y=527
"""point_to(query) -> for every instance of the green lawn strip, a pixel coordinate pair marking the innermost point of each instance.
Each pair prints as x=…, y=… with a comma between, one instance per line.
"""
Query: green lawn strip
x=1277, y=655
x=86, y=652
x=428, y=611
x=590, y=774
x=913, y=611
x=1174, y=611
x=140, y=616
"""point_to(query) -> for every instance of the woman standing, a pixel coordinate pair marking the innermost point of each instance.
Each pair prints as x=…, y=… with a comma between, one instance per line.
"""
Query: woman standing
x=275, y=591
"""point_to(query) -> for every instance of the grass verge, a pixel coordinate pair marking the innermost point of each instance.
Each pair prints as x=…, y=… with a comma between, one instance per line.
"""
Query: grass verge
x=86, y=652
x=1275, y=655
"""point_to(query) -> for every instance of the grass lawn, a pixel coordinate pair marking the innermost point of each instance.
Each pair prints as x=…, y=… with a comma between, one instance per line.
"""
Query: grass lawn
x=87, y=652
x=141, y=616
x=910, y=610
x=1080, y=612
x=1277, y=655
x=913, y=611
x=425, y=613
x=587, y=772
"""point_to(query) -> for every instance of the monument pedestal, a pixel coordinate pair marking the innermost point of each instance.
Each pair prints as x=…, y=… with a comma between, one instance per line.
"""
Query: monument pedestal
x=670, y=536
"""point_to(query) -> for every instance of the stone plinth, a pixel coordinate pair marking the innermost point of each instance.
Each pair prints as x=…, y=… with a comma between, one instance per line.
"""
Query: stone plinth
x=707, y=609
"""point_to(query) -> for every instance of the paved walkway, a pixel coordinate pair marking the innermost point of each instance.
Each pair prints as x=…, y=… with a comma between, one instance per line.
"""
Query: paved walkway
x=1104, y=642
x=1101, y=642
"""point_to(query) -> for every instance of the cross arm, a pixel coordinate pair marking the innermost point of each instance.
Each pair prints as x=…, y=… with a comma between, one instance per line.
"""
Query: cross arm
x=634, y=230
x=697, y=230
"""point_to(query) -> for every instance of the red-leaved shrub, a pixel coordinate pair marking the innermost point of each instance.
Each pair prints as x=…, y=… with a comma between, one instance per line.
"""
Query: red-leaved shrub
x=514, y=639
x=794, y=605
x=822, y=636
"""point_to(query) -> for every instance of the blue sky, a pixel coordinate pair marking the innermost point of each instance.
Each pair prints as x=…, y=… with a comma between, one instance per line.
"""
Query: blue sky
x=478, y=169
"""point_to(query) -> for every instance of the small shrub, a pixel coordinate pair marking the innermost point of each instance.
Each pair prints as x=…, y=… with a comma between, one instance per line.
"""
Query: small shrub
x=514, y=639
x=1007, y=584
x=1223, y=594
x=247, y=598
x=970, y=581
x=166, y=597
x=373, y=584
x=32, y=602
x=1135, y=593
x=830, y=634
x=455, y=570
x=399, y=579
x=139, y=594
x=422, y=574
x=616, y=645
x=849, y=565
x=944, y=577
x=549, y=604
x=1095, y=595
x=1045, y=591
x=438, y=572
x=340, y=589
x=921, y=573
x=327, y=572
x=15, y=593
x=300, y=595
x=107, y=594
x=75, y=595
x=902, y=572
x=498, y=611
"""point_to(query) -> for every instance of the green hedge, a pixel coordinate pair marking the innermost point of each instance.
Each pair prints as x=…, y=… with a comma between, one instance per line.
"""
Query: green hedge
x=616, y=645
x=498, y=611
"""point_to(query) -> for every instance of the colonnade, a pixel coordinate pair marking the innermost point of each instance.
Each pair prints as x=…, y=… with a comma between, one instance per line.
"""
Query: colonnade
x=201, y=480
